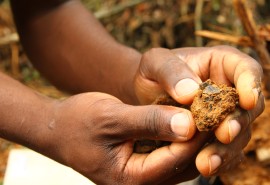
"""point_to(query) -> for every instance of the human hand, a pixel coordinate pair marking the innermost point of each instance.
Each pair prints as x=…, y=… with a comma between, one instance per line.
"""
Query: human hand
x=94, y=134
x=179, y=72
x=226, y=65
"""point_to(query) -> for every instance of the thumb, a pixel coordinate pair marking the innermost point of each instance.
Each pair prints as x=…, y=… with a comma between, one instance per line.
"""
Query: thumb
x=157, y=122
x=171, y=73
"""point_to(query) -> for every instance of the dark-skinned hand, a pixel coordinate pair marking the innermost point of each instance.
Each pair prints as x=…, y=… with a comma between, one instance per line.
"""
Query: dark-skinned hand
x=95, y=132
x=179, y=73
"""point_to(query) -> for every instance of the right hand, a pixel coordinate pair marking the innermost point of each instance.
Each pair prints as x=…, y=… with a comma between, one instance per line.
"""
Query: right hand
x=178, y=72
x=94, y=134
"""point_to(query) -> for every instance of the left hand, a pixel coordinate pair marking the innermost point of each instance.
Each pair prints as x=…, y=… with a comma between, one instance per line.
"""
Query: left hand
x=94, y=134
x=179, y=71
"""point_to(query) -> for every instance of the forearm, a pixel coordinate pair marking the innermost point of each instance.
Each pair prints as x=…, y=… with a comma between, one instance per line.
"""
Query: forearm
x=25, y=116
x=73, y=50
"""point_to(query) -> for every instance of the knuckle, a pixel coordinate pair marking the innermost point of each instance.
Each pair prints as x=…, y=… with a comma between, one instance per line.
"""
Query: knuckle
x=148, y=59
x=154, y=51
x=172, y=66
x=232, y=52
x=225, y=48
x=147, y=56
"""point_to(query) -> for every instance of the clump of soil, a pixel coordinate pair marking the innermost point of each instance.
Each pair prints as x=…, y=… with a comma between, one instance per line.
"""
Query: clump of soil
x=212, y=104
x=165, y=99
x=147, y=146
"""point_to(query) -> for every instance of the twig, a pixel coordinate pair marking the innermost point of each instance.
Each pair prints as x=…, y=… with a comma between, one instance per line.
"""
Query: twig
x=15, y=59
x=8, y=39
x=197, y=21
x=117, y=9
x=248, y=22
x=185, y=19
x=239, y=40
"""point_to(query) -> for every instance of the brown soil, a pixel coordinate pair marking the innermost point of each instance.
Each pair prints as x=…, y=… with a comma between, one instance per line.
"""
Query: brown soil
x=250, y=172
x=212, y=104
x=165, y=99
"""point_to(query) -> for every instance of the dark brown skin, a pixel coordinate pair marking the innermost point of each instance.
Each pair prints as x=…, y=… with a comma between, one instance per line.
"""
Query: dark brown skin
x=94, y=132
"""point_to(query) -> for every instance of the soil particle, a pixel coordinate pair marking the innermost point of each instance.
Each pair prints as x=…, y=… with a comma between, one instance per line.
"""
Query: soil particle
x=212, y=104
x=165, y=99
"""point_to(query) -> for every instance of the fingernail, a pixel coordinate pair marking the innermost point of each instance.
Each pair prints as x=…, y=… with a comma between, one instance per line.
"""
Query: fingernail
x=180, y=124
x=256, y=95
x=185, y=87
x=214, y=163
x=234, y=129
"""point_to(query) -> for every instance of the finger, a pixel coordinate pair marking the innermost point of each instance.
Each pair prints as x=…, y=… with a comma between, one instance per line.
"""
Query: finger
x=203, y=62
x=157, y=122
x=244, y=72
x=229, y=165
x=249, y=89
x=217, y=156
x=167, y=161
x=227, y=65
x=189, y=173
x=171, y=73
x=241, y=70
x=238, y=120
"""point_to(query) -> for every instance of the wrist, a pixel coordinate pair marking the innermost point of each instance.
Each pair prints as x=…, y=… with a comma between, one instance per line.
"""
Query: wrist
x=46, y=140
x=127, y=88
x=42, y=124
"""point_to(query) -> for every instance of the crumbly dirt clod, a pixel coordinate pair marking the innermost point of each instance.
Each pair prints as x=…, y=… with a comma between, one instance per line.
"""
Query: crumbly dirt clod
x=165, y=99
x=212, y=104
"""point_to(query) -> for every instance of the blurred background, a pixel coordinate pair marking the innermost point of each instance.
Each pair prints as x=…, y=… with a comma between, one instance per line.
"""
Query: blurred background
x=143, y=24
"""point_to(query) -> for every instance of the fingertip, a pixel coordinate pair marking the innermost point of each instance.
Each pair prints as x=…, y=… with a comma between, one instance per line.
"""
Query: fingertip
x=192, y=126
x=183, y=125
x=202, y=164
x=185, y=90
x=222, y=134
x=256, y=93
x=248, y=89
x=248, y=98
x=187, y=99
x=208, y=164
x=227, y=131
x=234, y=129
